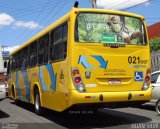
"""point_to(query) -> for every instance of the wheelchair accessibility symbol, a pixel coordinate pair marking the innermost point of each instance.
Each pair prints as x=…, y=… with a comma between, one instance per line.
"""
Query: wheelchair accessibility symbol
x=138, y=76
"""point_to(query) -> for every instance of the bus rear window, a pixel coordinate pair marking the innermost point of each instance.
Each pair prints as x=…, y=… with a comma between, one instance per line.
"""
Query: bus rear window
x=109, y=28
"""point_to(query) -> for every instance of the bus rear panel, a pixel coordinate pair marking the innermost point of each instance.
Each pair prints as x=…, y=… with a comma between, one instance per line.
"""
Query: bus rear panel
x=110, y=59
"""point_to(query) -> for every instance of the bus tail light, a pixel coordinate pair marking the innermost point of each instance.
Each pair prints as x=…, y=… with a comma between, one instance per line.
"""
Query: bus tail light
x=77, y=80
x=75, y=72
x=148, y=72
x=147, y=81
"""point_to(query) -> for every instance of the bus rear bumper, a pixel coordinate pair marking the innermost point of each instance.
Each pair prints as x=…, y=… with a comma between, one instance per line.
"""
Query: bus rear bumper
x=110, y=99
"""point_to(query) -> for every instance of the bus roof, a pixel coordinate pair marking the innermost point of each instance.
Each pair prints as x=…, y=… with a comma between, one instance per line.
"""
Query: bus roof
x=107, y=11
x=67, y=16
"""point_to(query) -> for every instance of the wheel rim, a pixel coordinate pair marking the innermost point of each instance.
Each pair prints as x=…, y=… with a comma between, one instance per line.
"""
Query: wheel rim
x=37, y=102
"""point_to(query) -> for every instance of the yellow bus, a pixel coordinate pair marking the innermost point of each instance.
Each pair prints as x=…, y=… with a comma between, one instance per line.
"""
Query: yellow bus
x=89, y=57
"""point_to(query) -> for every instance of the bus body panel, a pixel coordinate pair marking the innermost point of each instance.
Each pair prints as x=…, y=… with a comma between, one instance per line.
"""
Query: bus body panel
x=108, y=74
x=107, y=64
x=109, y=97
x=53, y=91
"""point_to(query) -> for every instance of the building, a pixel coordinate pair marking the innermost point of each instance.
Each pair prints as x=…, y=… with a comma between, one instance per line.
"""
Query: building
x=5, y=57
x=154, y=32
x=155, y=61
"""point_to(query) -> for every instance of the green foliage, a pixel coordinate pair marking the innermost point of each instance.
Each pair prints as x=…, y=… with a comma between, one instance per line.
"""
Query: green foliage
x=155, y=44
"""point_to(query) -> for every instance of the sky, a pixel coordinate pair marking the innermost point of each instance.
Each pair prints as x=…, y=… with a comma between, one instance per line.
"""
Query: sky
x=22, y=19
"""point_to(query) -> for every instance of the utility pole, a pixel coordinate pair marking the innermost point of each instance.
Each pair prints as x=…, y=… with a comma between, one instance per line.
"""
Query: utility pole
x=94, y=3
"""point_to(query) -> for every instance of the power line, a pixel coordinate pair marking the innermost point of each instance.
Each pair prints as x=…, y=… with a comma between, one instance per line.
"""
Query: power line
x=54, y=13
x=27, y=35
x=57, y=11
x=152, y=17
x=58, y=1
x=90, y=1
x=134, y=6
x=23, y=9
x=120, y=4
x=22, y=13
x=17, y=39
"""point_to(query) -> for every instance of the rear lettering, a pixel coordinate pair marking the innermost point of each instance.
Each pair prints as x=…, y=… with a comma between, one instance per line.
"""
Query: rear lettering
x=136, y=60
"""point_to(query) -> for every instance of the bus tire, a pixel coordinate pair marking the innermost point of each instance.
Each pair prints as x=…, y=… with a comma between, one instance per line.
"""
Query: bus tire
x=158, y=107
x=37, y=102
x=13, y=92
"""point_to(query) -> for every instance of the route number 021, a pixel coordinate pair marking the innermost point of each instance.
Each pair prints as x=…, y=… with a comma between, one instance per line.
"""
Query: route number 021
x=136, y=60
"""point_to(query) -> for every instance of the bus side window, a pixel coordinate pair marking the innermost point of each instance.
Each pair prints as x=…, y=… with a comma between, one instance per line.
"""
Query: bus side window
x=32, y=60
x=18, y=60
x=19, y=64
x=43, y=49
x=25, y=55
x=11, y=65
x=33, y=54
x=58, y=47
x=65, y=37
x=25, y=64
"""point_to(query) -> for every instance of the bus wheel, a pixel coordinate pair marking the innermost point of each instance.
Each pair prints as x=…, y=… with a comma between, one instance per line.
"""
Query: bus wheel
x=37, y=103
x=158, y=107
x=13, y=93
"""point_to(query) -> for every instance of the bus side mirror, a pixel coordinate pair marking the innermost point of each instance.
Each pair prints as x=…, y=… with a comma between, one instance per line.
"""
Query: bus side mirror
x=5, y=64
x=8, y=68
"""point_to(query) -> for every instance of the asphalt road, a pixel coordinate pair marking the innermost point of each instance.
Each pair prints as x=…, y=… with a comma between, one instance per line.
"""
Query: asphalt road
x=19, y=116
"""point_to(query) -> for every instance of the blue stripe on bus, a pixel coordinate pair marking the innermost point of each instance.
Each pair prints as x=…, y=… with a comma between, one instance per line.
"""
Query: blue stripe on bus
x=26, y=84
x=52, y=77
x=44, y=87
x=18, y=87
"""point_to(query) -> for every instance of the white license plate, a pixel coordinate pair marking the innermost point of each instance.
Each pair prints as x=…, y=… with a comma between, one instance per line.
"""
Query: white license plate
x=114, y=81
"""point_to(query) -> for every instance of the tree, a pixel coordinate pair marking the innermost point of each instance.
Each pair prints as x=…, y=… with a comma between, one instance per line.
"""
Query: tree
x=155, y=44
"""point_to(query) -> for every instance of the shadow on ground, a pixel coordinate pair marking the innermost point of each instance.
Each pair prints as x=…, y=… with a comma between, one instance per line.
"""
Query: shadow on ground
x=3, y=115
x=148, y=107
x=89, y=119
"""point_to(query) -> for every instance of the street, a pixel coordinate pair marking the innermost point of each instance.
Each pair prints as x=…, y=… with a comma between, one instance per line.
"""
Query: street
x=23, y=116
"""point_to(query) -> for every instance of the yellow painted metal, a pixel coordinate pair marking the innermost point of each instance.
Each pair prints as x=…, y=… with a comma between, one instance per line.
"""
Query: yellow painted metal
x=65, y=94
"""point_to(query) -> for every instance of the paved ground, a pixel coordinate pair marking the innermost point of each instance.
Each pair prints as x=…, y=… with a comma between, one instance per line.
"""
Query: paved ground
x=23, y=116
